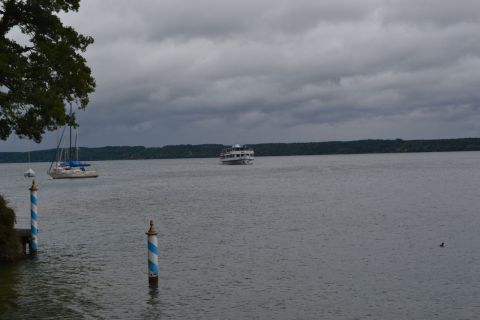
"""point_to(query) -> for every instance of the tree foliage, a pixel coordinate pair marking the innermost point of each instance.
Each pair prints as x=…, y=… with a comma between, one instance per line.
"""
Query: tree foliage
x=41, y=67
x=9, y=242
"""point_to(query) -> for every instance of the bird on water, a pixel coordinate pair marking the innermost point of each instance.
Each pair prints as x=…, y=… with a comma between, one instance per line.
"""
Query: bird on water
x=442, y=244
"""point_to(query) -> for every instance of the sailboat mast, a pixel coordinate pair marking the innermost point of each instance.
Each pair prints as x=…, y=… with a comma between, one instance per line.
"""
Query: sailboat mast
x=76, y=145
x=70, y=145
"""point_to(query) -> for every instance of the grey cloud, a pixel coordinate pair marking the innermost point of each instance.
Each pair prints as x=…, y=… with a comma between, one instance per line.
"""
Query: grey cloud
x=438, y=13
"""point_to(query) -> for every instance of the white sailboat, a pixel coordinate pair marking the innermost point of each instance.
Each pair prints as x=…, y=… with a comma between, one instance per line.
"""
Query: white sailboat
x=29, y=173
x=64, y=166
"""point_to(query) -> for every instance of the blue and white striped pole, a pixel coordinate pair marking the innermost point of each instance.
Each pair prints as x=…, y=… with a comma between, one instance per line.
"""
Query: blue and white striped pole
x=34, y=216
x=152, y=256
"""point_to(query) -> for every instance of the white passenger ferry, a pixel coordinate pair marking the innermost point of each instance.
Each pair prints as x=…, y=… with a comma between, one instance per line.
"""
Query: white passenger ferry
x=237, y=155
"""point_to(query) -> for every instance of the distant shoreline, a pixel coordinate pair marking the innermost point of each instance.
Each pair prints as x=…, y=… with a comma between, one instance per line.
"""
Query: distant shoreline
x=263, y=149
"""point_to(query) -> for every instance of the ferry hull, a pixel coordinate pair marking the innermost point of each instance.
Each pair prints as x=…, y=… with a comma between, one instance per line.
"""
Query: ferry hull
x=237, y=161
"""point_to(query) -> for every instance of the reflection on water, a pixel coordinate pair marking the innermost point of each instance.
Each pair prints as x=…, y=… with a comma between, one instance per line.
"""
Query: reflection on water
x=153, y=308
x=8, y=293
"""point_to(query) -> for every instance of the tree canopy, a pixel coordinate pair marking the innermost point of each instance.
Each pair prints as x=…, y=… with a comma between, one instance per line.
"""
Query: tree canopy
x=41, y=67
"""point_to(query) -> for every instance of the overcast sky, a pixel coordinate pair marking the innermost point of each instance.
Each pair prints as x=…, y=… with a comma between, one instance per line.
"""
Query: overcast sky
x=253, y=71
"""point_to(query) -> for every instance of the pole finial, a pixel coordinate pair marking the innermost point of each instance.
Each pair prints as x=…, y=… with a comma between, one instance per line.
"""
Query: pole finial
x=34, y=186
x=151, y=231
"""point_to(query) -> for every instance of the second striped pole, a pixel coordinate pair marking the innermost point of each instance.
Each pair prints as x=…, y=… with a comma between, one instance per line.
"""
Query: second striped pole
x=152, y=256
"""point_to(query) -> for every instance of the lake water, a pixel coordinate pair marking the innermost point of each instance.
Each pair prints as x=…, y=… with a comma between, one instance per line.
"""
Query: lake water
x=317, y=237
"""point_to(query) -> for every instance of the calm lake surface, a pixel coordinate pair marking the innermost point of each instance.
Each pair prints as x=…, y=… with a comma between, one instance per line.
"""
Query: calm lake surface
x=317, y=237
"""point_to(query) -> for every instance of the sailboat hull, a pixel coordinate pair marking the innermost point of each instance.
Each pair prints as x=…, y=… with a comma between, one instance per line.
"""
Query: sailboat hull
x=72, y=174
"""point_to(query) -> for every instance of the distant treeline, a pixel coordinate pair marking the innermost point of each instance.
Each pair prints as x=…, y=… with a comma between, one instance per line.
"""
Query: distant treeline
x=263, y=149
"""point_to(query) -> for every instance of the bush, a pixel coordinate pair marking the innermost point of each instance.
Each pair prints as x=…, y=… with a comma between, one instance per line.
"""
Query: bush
x=10, y=247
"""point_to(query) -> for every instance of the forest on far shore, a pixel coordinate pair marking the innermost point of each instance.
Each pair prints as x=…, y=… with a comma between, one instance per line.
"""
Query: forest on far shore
x=262, y=149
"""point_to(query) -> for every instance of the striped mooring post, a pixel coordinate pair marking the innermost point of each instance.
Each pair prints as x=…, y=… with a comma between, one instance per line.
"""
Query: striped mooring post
x=152, y=256
x=34, y=217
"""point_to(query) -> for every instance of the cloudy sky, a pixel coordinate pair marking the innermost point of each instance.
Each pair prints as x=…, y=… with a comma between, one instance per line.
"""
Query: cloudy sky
x=252, y=71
